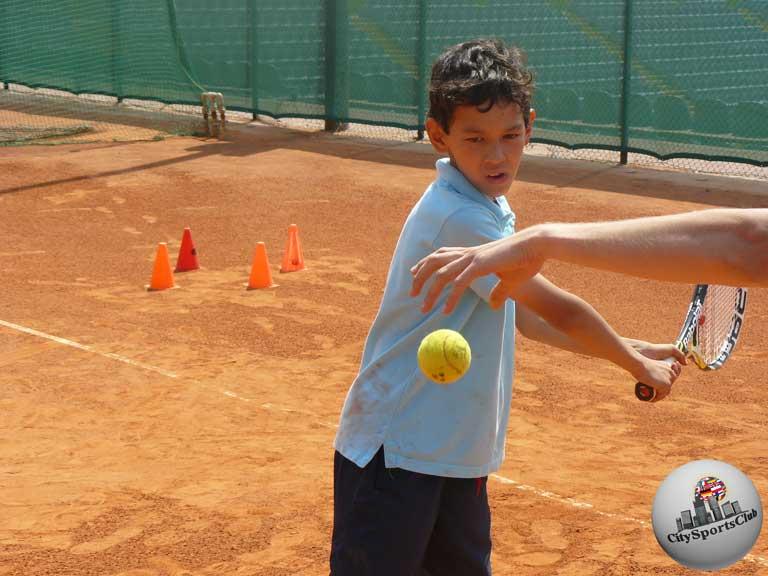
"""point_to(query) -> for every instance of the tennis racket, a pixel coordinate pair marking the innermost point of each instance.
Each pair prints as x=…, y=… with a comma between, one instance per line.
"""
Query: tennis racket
x=710, y=331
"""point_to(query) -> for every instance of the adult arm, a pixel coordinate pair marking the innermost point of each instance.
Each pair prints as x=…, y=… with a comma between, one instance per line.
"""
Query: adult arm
x=720, y=246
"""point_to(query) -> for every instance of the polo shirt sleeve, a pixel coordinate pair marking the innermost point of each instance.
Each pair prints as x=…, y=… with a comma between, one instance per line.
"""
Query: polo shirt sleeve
x=471, y=227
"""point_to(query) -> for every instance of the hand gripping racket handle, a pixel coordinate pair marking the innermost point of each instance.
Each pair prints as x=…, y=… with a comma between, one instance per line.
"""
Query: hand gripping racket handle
x=647, y=393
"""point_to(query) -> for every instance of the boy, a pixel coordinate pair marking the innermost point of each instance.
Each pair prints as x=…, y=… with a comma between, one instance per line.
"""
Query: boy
x=412, y=457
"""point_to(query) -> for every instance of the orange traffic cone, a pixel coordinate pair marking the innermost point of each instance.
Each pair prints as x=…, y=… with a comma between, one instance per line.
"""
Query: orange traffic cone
x=293, y=259
x=261, y=277
x=162, y=277
x=187, y=259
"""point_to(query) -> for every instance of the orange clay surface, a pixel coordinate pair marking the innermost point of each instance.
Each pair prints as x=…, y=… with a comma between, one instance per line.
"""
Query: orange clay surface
x=189, y=431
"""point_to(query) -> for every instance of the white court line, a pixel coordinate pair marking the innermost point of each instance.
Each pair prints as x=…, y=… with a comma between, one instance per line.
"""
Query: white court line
x=564, y=500
x=21, y=253
x=268, y=406
x=87, y=348
x=151, y=368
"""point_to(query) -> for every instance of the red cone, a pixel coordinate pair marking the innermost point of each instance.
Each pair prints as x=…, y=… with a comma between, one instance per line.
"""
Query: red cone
x=187, y=259
x=293, y=259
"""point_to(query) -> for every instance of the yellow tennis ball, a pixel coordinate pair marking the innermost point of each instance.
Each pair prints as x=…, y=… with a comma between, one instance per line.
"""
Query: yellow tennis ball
x=444, y=356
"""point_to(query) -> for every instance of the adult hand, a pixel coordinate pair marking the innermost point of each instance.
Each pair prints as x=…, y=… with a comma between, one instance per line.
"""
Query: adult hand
x=513, y=259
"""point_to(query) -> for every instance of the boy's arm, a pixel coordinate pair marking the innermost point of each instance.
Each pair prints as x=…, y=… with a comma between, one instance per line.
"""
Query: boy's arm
x=534, y=327
x=589, y=333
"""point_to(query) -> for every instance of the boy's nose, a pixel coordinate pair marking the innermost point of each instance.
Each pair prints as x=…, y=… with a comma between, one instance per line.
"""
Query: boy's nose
x=495, y=153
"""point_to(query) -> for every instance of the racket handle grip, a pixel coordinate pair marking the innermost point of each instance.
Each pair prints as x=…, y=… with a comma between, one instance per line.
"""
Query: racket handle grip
x=647, y=393
x=644, y=392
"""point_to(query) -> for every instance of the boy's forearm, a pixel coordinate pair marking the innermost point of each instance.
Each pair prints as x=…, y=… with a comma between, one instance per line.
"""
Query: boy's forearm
x=592, y=335
x=536, y=328
x=715, y=246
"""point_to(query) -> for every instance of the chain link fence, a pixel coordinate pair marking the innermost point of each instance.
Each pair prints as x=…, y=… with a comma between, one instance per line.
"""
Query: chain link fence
x=684, y=81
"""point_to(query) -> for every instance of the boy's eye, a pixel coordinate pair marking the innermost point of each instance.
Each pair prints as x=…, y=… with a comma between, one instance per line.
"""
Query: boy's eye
x=476, y=139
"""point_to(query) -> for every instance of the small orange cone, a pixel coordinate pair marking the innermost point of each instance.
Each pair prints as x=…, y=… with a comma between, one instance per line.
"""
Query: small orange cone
x=293, y=260
x=187, y=259
x=261, y=277
x=162, y=277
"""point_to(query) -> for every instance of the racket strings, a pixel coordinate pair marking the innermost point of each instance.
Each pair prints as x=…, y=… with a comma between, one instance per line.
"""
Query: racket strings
x=716, y=321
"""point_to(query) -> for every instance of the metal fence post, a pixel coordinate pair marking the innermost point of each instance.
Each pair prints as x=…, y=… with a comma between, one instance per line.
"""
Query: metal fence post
x=116, y=59
x=4, y=25
x=626, y=86
x=422, y=68
x=252, y=57
x=336, y=64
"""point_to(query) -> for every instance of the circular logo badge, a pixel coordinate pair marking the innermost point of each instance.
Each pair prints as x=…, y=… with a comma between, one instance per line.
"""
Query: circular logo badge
x=707, y=514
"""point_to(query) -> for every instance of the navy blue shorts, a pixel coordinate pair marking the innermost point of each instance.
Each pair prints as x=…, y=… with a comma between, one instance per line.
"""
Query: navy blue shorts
x=394, y=522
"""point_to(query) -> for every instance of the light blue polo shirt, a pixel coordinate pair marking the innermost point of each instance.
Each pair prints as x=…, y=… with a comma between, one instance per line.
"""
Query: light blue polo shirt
x=456, y=430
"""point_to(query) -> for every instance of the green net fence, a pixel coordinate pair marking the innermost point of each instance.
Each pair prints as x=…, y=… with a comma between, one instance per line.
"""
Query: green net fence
x=665, y=78
x=90, y=70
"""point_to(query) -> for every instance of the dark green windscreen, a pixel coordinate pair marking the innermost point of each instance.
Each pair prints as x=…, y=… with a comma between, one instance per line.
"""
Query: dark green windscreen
x=697, y=83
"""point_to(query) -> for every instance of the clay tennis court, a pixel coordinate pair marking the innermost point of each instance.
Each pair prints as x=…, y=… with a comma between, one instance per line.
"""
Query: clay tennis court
x=189, y=432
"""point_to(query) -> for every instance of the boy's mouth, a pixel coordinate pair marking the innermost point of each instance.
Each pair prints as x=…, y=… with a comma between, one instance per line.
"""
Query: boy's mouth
x=496, y=176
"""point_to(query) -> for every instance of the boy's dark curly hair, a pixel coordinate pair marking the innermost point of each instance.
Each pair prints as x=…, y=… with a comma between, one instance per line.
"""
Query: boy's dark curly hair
x=479, y=73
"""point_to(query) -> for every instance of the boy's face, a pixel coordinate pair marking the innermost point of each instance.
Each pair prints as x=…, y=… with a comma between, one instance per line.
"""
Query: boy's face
x=485, y=146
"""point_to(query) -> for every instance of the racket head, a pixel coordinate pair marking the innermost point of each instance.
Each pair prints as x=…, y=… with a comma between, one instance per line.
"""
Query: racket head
x=718, y=326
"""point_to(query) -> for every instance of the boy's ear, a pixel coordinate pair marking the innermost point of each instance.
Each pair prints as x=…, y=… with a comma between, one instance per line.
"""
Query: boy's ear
x=529, y=127
x=436, y=135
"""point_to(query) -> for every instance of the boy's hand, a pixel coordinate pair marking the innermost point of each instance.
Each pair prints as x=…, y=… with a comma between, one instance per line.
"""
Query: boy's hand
x=658, y=351
x=660, y=375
